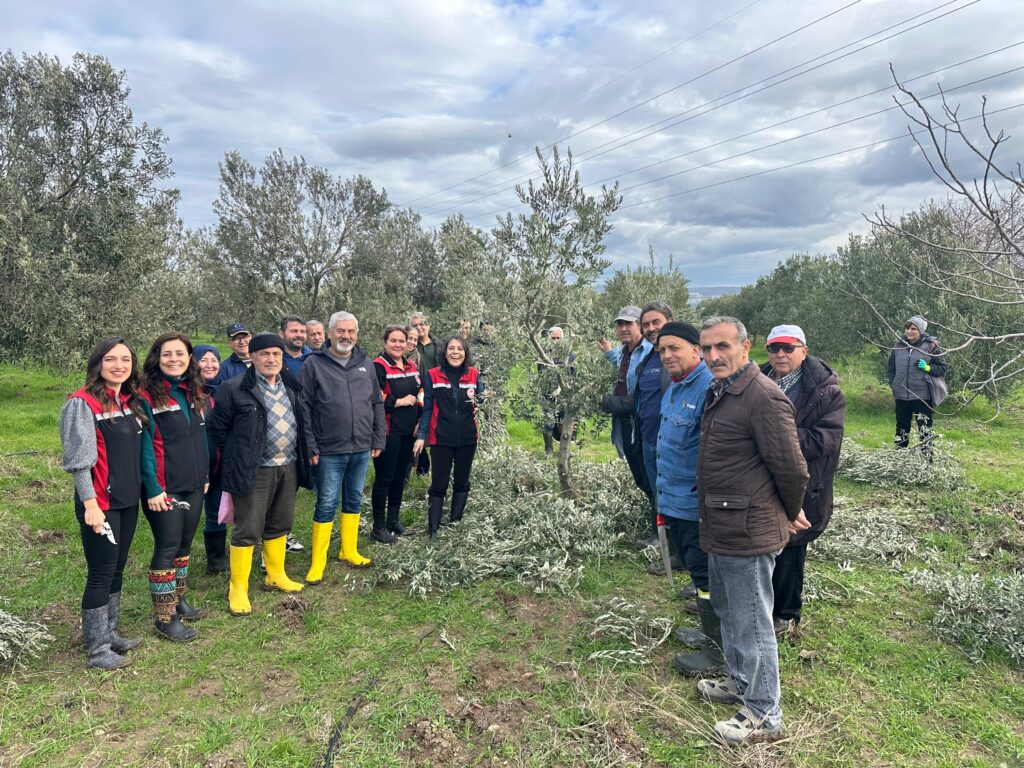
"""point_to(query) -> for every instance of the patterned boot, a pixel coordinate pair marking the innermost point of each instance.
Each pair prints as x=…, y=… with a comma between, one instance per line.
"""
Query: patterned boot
x=162, y=588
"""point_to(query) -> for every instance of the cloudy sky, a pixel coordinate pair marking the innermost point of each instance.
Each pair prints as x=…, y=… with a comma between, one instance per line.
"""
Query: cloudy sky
x=442, y=103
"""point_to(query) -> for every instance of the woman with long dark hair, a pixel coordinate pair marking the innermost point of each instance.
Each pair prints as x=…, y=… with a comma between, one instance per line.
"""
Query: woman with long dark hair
x=175, y=471
x=214, y=533
x=101, y=432
x=448, y=424
x=399, y=380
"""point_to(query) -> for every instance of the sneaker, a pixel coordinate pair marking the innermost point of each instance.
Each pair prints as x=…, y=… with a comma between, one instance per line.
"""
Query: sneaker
x=744, y=728
x=720, y=691
x=293, y=544
x=783, y=627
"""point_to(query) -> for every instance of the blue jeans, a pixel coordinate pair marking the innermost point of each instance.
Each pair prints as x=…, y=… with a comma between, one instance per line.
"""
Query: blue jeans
x=341, y=475
x=742, y=595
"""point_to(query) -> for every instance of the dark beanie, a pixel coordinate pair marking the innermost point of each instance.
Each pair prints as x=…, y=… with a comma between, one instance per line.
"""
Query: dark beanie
x=684, y=331
x=265, y=341
x=202, y=349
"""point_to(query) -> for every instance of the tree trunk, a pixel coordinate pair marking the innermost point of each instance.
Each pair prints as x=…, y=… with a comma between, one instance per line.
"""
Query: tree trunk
x=565, y=458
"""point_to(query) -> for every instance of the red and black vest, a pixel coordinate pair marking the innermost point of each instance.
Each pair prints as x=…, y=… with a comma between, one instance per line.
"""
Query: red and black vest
x=453, y=413
x=179, y=444
x=396, y=383
x=117, y=475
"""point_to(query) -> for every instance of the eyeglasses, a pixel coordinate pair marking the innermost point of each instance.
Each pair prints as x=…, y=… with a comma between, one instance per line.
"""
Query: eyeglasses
x=787, y=348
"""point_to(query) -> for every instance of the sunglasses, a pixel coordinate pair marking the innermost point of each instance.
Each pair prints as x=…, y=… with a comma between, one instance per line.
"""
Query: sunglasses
x=787, y=348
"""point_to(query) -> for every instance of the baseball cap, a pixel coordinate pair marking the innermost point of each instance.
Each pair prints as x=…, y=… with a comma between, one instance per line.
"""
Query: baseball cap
x=236, y=328
x=787, y=334
x=629, y=313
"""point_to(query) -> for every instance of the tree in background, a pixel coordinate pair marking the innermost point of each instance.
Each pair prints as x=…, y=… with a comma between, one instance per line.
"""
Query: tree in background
x=552, y=257
x=288, y=231
x=84, y=226
x=645, y=283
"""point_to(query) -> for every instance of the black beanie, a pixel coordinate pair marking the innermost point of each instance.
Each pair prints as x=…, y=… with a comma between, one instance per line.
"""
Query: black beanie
x=684, y=331
x=265, y=341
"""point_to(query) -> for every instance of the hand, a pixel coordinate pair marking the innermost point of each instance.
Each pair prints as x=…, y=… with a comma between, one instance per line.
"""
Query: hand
x=408, y=400
x=94, y=516
x=314, y=459
x=800, y=524
x=375, y=452
x=924, y=366
x=604, y=345
x=417, y=447
x=158, y=503
x=206, y=489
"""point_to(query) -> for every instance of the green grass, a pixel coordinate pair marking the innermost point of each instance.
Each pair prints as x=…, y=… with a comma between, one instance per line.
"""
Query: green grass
x=867, y=683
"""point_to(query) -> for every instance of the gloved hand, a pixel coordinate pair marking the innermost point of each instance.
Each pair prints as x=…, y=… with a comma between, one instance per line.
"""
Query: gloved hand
x=924, y=366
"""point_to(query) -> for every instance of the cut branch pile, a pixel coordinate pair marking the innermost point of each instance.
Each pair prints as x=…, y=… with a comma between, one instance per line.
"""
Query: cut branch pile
x=20, y=638
x=633, y=623
x=890, y=467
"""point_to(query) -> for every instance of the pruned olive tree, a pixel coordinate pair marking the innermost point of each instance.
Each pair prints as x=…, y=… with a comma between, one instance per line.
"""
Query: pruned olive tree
x=553, y=256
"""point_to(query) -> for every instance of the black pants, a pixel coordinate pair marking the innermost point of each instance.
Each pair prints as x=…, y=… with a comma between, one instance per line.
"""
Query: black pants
x=174, y=529
x=389, y=471
x=905, y=410
x=444, y=458
x=211, y=505
x=685, y=537
x=106, y=561
x=788, y=582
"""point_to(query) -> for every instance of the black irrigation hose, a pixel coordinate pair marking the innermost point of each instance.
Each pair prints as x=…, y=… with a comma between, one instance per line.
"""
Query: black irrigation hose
x=350, y=713
x=21, y=453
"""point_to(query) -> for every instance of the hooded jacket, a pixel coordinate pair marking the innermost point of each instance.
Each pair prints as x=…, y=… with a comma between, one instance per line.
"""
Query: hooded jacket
x=820, y=417
x=342, y=404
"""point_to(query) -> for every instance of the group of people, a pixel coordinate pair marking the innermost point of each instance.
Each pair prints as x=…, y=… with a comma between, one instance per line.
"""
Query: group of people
x=303, y=407
x=736, y=460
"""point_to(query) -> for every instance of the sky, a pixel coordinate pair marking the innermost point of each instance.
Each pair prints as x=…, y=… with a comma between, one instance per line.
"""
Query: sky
x=694, y=107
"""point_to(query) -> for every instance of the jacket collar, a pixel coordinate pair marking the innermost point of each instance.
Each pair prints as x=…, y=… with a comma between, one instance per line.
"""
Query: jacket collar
x=747, y=375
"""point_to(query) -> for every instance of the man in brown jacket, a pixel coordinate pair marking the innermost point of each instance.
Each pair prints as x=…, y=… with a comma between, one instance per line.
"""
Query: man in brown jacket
x=751, y=478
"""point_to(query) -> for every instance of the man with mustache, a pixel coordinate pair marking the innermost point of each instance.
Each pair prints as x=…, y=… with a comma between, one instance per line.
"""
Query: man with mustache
x=751, y=477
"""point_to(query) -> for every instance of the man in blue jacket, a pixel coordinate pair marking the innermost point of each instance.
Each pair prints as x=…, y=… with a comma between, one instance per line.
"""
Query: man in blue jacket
x=239, y=361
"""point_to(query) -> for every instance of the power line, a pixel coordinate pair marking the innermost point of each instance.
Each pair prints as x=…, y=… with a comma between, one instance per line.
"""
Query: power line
x=659, y=95
x=590, y=154
x=807, y=161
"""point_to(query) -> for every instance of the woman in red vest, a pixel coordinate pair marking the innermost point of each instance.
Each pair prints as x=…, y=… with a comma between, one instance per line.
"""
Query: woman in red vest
x=101, y=432
x=448, y=423
x=175, y=474
x=399, y=380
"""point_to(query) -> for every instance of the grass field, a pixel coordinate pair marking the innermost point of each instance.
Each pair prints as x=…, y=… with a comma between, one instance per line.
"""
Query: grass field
x=867, y=683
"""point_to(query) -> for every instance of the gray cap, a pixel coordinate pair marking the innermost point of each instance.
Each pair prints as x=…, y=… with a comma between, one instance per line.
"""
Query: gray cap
x=629, y=313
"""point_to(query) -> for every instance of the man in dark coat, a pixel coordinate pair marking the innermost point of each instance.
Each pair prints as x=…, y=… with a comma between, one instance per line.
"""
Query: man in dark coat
x=820, y=407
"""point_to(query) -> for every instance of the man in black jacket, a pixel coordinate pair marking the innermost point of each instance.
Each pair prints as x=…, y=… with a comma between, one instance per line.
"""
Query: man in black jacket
x=259, y=426
x=345, y=411
x=820, y=407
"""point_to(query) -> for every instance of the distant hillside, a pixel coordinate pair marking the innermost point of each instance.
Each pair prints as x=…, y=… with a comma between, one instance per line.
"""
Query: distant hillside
x=700, y=292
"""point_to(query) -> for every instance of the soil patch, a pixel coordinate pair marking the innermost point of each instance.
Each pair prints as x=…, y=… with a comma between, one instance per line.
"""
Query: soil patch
x=291, y=611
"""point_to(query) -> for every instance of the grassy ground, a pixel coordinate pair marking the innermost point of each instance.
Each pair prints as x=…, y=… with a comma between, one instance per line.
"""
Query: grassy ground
x=867, y=683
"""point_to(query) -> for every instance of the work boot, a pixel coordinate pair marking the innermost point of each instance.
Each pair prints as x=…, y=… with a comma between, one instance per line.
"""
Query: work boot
x=709, y=660
x=216, y=555
x=321, y=543
x=119, y=644
x=96, y=635
x=784, y=627
x=380, y=533
x=690, y=637
x=183, y=608
x=273, y=558
x=238, y=588
x=459, y=500
x=394, y=522
x=349, y=553
x=688, y=592
x=435, y=506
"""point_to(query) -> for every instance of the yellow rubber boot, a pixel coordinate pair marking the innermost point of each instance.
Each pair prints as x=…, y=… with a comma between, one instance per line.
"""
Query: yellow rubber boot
x=349, y=537
x=321, y=543
x=273, y=557
x=238, y=590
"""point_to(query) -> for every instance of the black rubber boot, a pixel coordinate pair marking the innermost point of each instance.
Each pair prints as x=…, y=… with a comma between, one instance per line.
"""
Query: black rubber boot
x=216, y=552
x=709, y=660
x=394, y=521
x=96, y=635
x=435, y=505
x=380, y=533
x=175, y=630
x=690, y=637
x=459, y=505
x=119, y=644
x=187, y=611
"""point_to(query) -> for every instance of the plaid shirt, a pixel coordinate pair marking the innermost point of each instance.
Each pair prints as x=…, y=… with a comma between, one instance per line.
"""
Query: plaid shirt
x=282, y=428
x=718, y=386
x=790, y=383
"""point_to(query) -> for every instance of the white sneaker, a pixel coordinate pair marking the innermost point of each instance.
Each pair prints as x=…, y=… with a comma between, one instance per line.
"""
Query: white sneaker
x=744, y=728
x=720, y=691
x=293, y=544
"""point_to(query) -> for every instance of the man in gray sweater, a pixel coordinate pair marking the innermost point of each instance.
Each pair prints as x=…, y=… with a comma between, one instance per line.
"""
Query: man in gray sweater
x=345, y=413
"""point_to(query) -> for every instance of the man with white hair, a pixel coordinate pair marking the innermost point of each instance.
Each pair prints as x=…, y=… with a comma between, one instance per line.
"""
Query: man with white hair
x=345, y=413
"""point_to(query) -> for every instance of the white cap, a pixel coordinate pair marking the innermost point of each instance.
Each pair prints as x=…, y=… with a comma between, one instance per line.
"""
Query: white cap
x=787, y=334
